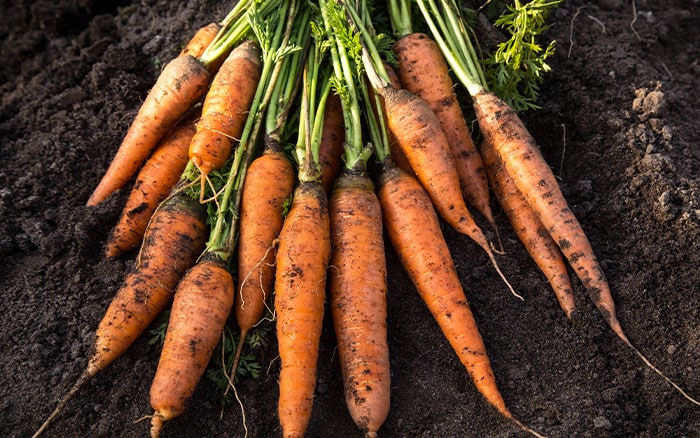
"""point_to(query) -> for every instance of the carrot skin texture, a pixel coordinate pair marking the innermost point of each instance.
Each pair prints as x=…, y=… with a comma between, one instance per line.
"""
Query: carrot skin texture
x=153, y=183
x=414, y=231
x=269, y=183
x=172, y=242
x=200, y=308
x=522, y=160
x=358, y=300
x=332, y=138
x=225, y=107
x=529, y=229
x=420, y=137
x=302, y=258
x=183, y=81
x=424, y=72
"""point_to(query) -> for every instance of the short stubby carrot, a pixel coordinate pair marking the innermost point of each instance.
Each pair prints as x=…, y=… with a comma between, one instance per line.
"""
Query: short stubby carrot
x=358, y=299
x=225, y=108
x=424, y=72
x=200, y=308
x=268, y=185
x=201, y=40
x=332, y=138
x=172, y=242
x=302, y=258
x=183, y=81
x=414, y=231
x=527, y=226
x=153, y=183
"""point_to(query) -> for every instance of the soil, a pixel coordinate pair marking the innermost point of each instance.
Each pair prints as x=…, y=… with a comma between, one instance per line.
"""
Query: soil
x=617, y=124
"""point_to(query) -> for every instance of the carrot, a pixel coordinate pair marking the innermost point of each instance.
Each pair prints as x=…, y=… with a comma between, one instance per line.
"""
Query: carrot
x=424, y=72
x=332, y=138
x=517, y=151
x=527, y=226
x=420, y=137
x=225, y=109
x=269, y=183
x=153, y=183
x=172, y=241
x=200, y=40
x=358, y=299
x=414, y=231
x=302, y=258
x=200, y=308
x=181, y=83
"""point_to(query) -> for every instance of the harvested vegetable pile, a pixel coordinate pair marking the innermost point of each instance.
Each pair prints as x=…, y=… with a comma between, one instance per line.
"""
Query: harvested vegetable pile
x=618, y=136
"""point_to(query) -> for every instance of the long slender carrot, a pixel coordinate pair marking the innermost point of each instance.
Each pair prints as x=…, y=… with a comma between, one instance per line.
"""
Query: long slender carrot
x=414, y=231
x=225, y=109
x=173, y=240
x=302, y=257
x=200, y=308
x=358, y=299
x=153, y=183
x=425, y=73
x=527, y=226
x=183, y=81
x=201, y=40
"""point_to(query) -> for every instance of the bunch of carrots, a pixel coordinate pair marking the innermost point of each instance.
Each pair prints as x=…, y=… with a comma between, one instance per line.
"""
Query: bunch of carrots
x=270, y=158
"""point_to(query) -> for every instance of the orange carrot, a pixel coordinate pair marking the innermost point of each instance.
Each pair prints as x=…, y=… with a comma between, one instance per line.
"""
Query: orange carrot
x=358, y=299
x=183, y=81
x=226, y=108
x=302, y=257
x=201, y=40
x=517, y=151
x=424, y=72
x=331, y=149
x=269, y=183
x=153, y=183
x=414, y=231
x=172, y=242
x=200, y=308
x=527, y=226
x=420, y=137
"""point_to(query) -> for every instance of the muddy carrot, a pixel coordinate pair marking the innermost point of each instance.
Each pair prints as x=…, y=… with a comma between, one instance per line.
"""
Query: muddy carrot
x=153, y=183
x=173, y=240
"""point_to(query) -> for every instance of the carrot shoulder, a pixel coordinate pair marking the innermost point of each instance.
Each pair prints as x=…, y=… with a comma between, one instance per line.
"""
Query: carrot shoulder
x=302, y=258
x=527, y=226
x=358, y=300
x=201, y=40
x=183, y=81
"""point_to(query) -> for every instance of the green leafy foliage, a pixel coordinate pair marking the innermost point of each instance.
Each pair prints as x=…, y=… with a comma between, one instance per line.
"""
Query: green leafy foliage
x=516, y=69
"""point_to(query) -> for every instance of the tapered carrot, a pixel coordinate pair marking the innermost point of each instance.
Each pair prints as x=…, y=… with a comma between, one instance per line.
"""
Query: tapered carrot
x=332, y=138
x=225, y=109
x=527, y=226
x=153, y=183
x=420, y=137
x=517, y=151
x=302, y=258
x=200, y=308
x=424, y=72
x=183, y=81
x=414, y=231
x=173, y=240
x=269, y=183
x=358, y=299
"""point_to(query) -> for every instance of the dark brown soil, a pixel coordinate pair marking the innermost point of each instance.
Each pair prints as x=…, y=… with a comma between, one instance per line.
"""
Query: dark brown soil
x=618, y=124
